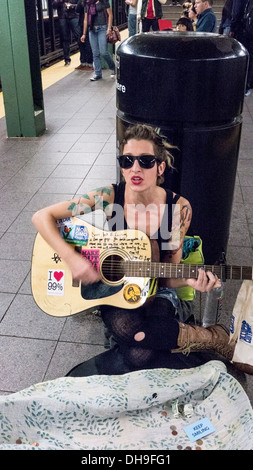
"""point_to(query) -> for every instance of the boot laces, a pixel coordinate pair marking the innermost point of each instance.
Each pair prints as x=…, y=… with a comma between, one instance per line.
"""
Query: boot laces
x=193, y=347
x=222, y=349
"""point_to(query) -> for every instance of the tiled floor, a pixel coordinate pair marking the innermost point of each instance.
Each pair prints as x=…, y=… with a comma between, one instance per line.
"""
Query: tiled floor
x=76, y=153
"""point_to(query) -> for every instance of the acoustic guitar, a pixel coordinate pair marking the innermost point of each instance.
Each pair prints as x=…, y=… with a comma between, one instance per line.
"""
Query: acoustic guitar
x=124, y=261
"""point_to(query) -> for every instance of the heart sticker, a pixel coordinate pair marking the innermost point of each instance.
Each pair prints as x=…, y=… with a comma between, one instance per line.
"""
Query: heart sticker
x=58, y=275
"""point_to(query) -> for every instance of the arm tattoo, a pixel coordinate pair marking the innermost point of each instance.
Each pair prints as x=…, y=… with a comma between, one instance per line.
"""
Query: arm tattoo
x=86, y=196
x=104, y=190
x=81, y=208
x=185, y=220
x=185, y=216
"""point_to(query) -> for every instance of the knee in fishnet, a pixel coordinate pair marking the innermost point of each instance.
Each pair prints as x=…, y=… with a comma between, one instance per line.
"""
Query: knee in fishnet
x=123, y=325
x=138, y=357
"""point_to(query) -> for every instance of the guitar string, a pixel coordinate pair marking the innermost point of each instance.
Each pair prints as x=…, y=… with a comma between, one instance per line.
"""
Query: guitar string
x=171, y=265
x=175, y=269
x=154, y=264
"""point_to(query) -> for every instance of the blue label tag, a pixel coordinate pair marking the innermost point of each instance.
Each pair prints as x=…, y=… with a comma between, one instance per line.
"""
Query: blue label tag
x=199, y=429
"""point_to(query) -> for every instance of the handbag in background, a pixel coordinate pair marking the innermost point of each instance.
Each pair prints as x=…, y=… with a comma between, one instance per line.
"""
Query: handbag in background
x=114, y=35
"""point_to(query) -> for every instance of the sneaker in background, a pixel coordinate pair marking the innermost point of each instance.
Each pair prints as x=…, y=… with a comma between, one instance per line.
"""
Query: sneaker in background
x=95, y=78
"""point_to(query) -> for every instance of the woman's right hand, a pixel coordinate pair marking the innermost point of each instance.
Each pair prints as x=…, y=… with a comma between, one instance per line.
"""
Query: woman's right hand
x=82, y=38
x=82, y=269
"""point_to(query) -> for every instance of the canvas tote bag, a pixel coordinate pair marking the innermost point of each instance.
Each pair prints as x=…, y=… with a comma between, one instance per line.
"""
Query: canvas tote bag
x=241, y=326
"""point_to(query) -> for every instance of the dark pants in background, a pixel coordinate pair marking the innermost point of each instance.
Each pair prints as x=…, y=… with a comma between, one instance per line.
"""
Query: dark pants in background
x=148, y=24
x=68, y=26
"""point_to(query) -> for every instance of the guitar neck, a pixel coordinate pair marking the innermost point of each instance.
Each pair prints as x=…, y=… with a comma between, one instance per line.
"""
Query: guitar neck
x=170, y=270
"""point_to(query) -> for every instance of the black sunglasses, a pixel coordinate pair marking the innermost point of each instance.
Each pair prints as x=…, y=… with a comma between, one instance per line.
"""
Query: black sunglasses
x=145, y=161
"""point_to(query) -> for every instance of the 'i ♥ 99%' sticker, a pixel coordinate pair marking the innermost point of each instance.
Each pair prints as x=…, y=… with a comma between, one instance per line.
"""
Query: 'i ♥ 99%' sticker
x=55, y=282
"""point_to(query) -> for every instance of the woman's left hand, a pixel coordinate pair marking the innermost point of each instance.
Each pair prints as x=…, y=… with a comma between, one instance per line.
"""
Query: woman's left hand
x=205, y=282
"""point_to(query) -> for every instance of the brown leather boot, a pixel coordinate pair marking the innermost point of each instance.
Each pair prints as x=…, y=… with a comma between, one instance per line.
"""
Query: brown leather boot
x=193, y=338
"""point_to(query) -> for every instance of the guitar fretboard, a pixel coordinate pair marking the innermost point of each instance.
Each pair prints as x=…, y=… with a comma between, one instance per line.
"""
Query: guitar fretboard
x=169, y=270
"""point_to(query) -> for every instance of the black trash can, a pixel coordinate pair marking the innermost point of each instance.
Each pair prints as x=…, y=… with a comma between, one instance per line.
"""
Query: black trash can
x=191, y=87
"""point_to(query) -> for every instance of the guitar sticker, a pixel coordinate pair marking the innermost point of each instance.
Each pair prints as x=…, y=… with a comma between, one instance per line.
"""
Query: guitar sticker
x=132, y=293
x=55, y=282
x=75, y=234
x=92, y=256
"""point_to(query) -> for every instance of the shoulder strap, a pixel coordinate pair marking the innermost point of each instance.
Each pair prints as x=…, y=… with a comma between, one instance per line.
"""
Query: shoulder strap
x=119, y=192
x=170, y=200
x=175, y=198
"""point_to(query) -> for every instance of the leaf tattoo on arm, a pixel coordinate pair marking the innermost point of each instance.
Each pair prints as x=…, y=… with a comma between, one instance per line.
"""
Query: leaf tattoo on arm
x=81, y=208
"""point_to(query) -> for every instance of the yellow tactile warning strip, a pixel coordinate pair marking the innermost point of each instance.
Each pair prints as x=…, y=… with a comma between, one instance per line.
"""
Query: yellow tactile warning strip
x=58, y=71
x=50, y=76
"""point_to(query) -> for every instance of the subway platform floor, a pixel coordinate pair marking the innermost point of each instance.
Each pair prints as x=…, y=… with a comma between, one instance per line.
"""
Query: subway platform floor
x=75, y=154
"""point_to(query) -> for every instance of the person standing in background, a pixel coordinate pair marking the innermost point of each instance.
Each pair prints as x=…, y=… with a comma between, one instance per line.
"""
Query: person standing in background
x=86, y=57
x=236, y=23
x=207, y=21
x=68, y=22
x=149, y=12
x=98, y=23
x=241, y=28
x=131, y=11
x=226, y=16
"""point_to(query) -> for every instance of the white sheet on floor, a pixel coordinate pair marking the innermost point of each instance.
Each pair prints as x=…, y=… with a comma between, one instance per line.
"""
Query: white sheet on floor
x=131, y=411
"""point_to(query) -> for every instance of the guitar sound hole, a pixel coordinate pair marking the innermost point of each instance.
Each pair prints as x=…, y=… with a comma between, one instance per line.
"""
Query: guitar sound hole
x=112, y=268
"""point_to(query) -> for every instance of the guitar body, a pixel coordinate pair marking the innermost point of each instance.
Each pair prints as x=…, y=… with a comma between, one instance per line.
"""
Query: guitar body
x=125, y=260
x=57, y=294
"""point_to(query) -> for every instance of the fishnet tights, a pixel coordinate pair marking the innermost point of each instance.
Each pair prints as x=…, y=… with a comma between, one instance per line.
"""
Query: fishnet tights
x=156, y=320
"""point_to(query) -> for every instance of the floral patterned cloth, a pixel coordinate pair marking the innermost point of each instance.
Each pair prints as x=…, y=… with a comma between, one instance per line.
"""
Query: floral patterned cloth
x=138, y=410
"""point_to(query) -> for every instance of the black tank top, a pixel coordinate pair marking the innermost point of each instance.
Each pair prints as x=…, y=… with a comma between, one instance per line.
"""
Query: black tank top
x=166, y=223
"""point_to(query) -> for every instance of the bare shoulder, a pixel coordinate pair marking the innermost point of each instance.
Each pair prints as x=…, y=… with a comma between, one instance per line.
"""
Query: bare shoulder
x=99, y=198
x=105, y=192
